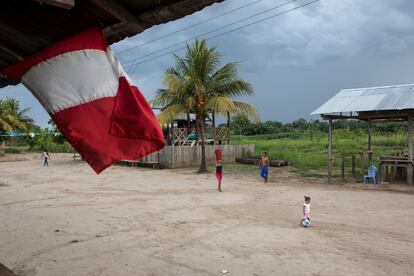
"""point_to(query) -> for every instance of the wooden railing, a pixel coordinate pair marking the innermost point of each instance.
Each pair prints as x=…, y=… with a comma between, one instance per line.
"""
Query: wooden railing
x=180, y=136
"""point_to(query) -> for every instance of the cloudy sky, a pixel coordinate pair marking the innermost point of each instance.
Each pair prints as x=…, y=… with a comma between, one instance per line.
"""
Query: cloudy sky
x=294, y=61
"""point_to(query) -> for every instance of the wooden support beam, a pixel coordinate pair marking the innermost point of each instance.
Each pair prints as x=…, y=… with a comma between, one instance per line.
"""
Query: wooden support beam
x=65, y=4
x=380, y=115
x=362, y=165
x=213, y=121
x=128, y=21
x=369, y=142
x=157, y=16
x=337, y=117
x=168, y=134
x=369, y=135
x=330, y=157
x=410, y=151
x=228, y=126
x=11, y=52
x=188, y=123
x=353, y=166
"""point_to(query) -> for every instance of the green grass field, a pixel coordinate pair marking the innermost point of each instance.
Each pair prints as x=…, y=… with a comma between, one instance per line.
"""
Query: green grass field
x=308, y=150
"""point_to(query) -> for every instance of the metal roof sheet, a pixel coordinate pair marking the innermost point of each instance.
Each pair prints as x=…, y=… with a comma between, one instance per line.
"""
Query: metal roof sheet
x=398, y=97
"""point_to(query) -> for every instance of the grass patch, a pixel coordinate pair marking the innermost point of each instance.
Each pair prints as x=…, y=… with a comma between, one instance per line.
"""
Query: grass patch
x=307, y=150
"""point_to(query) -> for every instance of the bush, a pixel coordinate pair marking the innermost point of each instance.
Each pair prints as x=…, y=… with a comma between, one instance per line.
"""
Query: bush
x=12, y=150
x=47, y=140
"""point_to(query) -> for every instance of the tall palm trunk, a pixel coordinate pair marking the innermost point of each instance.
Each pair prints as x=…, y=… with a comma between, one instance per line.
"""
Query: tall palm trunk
x=203, y=165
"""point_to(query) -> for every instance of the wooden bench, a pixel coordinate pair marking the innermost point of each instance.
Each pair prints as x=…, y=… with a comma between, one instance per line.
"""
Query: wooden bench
x=394, y=162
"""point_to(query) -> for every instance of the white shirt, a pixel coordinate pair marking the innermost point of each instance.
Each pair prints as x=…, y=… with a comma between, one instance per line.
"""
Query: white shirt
x=45, y=155
x=306, y=208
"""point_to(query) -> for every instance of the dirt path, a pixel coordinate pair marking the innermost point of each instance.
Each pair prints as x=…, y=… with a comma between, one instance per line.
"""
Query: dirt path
x=65, y=220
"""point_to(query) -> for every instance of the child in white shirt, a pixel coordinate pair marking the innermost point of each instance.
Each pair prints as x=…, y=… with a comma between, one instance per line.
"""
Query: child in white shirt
x=45, y=157
x=306, y=208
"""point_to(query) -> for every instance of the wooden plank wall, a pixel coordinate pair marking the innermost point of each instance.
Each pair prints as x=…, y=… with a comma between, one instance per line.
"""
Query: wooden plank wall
x=181, y=157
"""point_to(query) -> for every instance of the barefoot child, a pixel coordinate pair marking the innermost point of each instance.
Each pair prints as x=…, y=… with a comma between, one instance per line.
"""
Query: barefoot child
x=306, y=209
x=264, y=166
x=219, y=174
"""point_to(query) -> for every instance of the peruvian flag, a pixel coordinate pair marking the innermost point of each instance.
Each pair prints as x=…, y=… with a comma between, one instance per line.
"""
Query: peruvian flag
x=91, y=99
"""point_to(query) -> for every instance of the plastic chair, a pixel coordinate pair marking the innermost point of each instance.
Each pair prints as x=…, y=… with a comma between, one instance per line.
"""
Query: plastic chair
x=372, y=174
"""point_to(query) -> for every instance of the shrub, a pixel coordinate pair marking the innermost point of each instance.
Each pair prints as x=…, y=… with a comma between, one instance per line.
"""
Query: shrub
x=12, y=150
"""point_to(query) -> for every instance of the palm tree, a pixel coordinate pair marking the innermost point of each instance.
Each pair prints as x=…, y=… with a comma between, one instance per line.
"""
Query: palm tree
x=198, y=84
x=13, y=117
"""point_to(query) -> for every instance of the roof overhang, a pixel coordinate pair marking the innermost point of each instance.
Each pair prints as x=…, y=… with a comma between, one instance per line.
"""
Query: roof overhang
x=372, y=103
x=27, y=26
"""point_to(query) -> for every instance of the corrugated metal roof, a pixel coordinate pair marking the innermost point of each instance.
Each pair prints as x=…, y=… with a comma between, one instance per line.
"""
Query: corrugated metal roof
x=398, y=97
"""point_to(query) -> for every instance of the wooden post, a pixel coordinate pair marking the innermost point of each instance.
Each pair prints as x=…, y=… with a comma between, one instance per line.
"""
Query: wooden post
x=410, y=151
x=362, y=165
x=213, y=121
x=387, y=177
x=228, y=127
x=343, y=167
x=353, y=165
x=369, y=143
x=188, y=123
x=168, y=134
x=330, y=159
x=172, y=157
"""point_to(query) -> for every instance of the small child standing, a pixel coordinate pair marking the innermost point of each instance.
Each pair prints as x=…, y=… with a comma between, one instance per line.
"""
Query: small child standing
x=306, y=209
x=45, y=157
x=219, y=174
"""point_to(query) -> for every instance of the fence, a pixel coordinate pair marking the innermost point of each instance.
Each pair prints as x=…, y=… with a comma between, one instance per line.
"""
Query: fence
x=182, y=157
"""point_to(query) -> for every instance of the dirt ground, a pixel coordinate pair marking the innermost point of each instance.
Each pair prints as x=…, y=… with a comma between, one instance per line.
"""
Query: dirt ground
x=65, y=220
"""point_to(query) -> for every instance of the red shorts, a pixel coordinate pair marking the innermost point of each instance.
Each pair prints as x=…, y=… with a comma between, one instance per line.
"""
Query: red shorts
x=219, y=176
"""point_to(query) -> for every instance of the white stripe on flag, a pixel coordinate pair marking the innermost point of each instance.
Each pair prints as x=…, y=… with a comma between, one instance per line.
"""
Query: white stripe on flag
x=73, y=78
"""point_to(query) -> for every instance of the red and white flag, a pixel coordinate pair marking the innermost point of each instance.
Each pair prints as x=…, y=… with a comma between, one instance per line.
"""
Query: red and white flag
x=91, y=99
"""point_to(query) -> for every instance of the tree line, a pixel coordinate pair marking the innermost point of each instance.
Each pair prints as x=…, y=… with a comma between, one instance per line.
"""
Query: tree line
x=242, y=125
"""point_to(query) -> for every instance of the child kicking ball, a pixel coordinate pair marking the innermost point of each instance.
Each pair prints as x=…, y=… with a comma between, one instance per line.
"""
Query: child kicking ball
x=306, y=212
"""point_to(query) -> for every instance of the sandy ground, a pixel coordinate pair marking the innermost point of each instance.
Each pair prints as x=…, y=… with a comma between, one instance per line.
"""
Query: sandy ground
x=65, y=220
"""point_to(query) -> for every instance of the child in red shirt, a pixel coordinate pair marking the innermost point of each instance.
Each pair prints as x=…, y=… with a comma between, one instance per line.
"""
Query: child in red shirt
x=219, y=174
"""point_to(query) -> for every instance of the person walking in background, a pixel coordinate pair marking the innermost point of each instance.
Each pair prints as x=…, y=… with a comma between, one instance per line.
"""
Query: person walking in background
x=45, y=156
x=219, y=173
x=264, y=166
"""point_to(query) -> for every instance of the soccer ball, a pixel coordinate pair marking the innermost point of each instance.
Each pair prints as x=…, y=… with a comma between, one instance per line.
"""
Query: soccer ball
x=306, y=223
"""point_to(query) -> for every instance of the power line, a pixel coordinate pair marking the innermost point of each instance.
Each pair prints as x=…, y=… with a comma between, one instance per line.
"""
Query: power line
x=221, y=34
x=212, y=31
x=188, y=27
x=13, y=95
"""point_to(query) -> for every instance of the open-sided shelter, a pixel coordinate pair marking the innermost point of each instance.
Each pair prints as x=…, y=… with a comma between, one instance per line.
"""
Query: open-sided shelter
x=373, y=104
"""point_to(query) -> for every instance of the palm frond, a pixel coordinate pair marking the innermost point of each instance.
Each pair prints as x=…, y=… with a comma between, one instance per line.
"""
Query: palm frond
x=247, y=109
x=171, y=112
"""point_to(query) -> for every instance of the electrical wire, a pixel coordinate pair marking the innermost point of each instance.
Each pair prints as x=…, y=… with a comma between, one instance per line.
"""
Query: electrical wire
x=188, y=27
x=13, y=94
x=212, y=31
x=224, y=33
